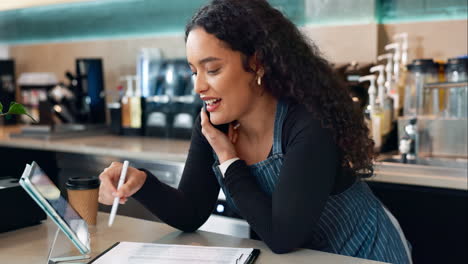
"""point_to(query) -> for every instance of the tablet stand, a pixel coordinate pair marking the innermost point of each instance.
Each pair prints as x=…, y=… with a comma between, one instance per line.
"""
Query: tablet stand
x=64, y=257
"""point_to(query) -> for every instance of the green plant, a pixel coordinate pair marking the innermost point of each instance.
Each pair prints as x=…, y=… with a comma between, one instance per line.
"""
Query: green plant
x=15, y=109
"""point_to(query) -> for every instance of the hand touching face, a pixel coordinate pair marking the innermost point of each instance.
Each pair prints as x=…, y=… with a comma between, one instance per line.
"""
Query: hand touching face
x=221, y=143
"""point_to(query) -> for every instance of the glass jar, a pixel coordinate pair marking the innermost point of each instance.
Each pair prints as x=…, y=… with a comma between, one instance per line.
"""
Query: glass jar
x=456, y=98
x=417, y=100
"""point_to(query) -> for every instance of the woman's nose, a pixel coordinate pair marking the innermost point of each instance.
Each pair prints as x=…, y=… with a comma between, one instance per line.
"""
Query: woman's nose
x=199, y=84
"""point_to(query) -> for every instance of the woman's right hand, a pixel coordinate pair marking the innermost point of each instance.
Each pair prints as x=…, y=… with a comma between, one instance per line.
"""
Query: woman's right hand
x=110, y=178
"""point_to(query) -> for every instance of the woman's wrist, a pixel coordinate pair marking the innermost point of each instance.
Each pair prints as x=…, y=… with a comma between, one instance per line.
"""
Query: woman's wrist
x=141, y=178
x=225, y=157
x=225, y=165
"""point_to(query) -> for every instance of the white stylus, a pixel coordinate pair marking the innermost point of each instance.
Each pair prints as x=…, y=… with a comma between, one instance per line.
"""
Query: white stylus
x=123, y=174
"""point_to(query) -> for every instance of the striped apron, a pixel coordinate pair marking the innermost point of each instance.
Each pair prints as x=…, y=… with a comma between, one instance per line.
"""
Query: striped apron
x=353, y=223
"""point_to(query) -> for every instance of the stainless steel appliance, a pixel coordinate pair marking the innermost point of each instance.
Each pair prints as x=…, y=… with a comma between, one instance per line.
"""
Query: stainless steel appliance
x=172, y=107
x=157, y=114
x=439, y=135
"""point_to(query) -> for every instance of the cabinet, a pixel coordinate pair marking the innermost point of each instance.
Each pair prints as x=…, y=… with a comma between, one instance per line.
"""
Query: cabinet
x=434, y=220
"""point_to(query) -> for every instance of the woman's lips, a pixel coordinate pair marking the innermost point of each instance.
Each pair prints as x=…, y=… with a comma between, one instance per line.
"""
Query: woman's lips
x=210, y=107
x=212, y=103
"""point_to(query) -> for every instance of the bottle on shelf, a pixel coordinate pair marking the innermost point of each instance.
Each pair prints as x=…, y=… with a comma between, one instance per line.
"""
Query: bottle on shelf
x=374, y=112
x=397, y=89
x=384, y=102
x=135, y=107
x=402, y=38
x=388, y=71
x=388, y=80
x=125, y=104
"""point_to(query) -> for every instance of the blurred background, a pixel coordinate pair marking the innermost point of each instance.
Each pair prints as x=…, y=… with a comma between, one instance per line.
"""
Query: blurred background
x=108, y=80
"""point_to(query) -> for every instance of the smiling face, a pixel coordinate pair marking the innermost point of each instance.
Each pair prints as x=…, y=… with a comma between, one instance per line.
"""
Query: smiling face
x=220, y=78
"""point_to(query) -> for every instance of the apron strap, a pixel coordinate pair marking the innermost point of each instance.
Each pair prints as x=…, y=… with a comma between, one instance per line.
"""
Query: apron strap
x=281, y=111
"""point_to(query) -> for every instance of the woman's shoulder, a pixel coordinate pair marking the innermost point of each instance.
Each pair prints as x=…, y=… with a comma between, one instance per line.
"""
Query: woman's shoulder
x=300, y=123
x=299, y=117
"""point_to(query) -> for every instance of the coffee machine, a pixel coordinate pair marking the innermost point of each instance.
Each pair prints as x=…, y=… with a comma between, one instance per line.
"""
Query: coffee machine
x=65, y=110
x=186, y=104
x=157, y=116
x=35, y=87
x=171, y=108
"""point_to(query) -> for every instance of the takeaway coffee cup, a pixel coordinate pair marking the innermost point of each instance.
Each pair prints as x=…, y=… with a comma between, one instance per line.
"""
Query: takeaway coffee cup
x=83, y=197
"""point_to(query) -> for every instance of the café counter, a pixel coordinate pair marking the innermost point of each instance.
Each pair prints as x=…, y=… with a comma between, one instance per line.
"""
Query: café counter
x=31, y=244
x=175, y=151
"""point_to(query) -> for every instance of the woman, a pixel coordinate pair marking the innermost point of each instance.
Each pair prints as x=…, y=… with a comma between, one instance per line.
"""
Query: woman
x=295, y=150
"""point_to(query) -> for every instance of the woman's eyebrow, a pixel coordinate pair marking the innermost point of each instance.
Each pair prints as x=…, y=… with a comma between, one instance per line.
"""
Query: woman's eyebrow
x=206, y=60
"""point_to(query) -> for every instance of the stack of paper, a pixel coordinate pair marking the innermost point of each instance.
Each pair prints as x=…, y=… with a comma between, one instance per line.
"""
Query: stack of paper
x=146, y=253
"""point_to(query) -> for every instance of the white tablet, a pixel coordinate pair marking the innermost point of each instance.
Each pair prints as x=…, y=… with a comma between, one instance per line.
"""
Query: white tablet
x=46, y=194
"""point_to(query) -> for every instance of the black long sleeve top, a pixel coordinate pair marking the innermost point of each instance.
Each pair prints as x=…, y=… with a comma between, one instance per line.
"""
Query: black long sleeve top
x=285, y=220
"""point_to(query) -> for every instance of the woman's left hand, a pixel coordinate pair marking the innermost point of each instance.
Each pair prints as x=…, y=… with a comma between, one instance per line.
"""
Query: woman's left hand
x=221, y=143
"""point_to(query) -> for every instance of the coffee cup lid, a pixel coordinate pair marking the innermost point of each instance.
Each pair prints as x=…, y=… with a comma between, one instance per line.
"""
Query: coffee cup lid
x=79, y=183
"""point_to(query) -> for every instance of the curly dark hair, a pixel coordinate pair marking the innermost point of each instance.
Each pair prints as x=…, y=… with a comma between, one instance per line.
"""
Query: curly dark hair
x=294, y=70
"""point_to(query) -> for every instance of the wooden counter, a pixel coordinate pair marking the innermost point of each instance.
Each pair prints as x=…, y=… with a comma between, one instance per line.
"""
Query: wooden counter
x=31, y=244
x=154, y=149
x=142, y=148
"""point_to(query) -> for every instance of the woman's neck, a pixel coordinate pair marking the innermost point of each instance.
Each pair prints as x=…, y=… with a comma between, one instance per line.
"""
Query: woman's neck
x=260, y=120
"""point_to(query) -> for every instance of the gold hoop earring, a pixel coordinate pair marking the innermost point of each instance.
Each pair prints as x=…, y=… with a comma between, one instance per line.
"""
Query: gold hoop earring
x=259, y=80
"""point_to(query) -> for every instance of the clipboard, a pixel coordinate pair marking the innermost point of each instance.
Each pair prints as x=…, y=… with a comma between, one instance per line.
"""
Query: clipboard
x=124, y=252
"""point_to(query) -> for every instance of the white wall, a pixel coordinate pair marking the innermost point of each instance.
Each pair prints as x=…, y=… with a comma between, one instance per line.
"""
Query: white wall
x=345, y=43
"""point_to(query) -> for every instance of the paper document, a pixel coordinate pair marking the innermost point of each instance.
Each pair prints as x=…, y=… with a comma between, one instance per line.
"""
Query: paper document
x=145, y=253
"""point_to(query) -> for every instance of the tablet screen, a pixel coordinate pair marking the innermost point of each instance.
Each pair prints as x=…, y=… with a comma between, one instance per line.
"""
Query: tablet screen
x=52, y=194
